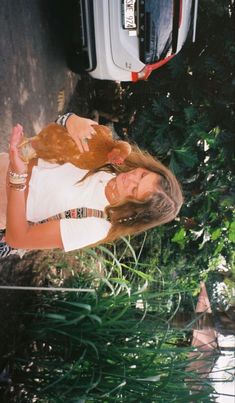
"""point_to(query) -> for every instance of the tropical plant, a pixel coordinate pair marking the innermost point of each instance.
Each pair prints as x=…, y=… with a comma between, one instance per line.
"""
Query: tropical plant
x=187, y=120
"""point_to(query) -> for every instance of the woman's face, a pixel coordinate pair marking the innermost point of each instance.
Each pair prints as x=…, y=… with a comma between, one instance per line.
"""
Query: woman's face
x=138, y=184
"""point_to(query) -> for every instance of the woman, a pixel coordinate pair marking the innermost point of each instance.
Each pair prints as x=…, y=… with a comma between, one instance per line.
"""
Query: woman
x=112, y=201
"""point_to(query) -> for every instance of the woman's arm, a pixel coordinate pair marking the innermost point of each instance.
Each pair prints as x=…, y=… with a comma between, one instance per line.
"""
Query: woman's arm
x=19, y=234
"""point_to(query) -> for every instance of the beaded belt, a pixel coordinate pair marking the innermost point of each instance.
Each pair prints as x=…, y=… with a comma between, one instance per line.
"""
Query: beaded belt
x=81, y=212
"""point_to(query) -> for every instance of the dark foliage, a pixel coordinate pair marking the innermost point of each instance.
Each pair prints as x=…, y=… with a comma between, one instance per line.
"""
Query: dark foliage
x=184, y=115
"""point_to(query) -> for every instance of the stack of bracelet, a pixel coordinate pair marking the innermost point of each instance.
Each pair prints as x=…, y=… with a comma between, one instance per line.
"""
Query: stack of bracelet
x=17, y=181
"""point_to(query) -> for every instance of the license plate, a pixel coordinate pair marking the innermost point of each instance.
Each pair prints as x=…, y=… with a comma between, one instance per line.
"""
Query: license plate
x=129, y=14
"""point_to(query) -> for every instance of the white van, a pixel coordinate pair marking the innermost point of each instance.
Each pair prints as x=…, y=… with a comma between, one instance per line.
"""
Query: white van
x=125, y=40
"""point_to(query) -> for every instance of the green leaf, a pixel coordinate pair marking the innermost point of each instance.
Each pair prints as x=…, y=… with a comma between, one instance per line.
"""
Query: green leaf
x=216, y=234
x=127, y=242
x=155, y=378
x=190, y=113
x=186, y=156
x=174, y=166
x=179, y=237
x=231, y=233
x=55, y=316
x=87, y=307
x=95, y=318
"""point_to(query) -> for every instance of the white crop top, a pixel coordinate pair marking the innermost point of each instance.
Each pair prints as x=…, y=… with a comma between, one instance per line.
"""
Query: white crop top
x=53, y=189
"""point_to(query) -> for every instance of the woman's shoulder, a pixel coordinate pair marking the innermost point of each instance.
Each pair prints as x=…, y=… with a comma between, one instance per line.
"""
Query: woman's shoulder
x=79, y=233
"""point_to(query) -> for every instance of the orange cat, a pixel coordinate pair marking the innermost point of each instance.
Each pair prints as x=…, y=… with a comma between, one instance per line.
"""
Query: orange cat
x=55, y=145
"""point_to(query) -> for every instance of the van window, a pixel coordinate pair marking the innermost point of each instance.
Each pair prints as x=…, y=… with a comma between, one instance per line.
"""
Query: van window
x=155, y=29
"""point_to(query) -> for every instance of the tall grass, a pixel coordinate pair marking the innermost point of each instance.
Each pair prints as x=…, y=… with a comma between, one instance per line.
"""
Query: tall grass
x=114, y=346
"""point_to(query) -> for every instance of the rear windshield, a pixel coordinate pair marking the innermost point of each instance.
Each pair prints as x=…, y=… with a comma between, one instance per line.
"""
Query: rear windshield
x=156, y=38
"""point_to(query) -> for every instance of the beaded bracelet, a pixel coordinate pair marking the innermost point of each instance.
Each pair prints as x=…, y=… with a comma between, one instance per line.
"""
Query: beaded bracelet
x=17, y=179
x=61, y=120
x=16, y=175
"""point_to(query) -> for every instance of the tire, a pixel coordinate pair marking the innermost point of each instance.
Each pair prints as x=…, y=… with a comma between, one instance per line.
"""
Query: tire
x=78, y=60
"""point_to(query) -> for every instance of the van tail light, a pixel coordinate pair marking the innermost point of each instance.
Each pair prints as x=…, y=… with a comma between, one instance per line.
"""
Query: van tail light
x=180, y=13
x=147, y=70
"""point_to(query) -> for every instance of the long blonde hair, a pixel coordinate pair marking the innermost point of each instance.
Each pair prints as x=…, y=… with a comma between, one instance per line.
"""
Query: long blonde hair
x=133, y=217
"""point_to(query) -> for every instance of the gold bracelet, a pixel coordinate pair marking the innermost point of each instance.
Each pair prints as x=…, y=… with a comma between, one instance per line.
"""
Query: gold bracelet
x=14, y=181
x=19, y=188
x=17, y=179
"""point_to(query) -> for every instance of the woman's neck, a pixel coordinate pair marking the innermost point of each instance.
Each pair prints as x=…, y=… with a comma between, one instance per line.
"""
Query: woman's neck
x=110, y=191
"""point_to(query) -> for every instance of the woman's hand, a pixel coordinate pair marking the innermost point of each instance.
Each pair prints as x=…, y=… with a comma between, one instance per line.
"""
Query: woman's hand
x=16, y=164
x=80, y=129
